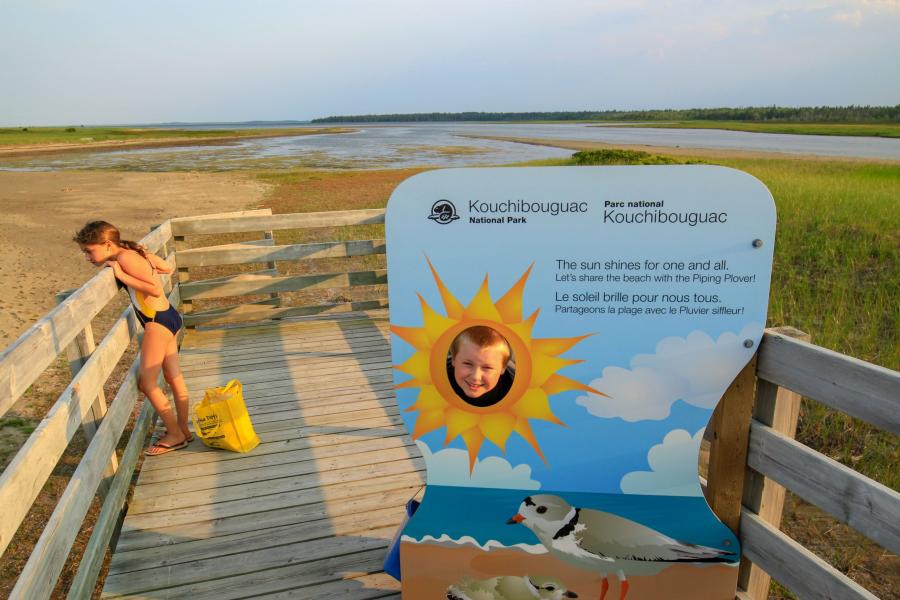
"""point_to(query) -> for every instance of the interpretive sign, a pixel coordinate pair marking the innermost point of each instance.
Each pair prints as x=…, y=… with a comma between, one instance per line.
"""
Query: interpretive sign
x=561, y=337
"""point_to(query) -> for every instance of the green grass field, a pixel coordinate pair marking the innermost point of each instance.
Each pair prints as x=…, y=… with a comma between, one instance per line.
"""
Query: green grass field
x=854, y=129
x=15, y=136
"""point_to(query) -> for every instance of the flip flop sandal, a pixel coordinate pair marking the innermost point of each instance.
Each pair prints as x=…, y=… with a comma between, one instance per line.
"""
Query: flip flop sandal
x=188, y=439
x=163, y=448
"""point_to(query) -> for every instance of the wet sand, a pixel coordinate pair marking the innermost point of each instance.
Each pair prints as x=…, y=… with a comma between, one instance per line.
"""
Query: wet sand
x=711, y=153
x=429, y=569
x=111, y=145
x=40, y=212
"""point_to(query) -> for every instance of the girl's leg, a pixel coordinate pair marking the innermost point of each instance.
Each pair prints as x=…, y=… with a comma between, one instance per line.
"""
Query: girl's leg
x=172, y=373
x=153, y=350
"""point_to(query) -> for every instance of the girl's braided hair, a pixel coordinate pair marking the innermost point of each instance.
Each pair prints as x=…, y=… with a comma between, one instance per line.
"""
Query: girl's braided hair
x=98, y=232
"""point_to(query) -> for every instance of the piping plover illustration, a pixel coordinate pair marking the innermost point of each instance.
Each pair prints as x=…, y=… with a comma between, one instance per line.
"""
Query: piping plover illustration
x=606, y=543
x=509, y=587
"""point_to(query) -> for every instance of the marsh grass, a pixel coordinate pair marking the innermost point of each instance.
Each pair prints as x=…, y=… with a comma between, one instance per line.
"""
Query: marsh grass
x=12, y=136
x=852, y=129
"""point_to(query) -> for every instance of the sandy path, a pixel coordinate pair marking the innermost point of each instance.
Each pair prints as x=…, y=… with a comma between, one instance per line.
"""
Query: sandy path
x=39, y=213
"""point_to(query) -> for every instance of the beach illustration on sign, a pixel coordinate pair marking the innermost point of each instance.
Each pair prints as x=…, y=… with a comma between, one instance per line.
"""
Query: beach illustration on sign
x=565, y=544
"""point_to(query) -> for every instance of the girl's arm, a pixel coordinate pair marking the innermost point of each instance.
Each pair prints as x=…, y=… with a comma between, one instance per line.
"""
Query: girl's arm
x=132, y=270
x=160, y=264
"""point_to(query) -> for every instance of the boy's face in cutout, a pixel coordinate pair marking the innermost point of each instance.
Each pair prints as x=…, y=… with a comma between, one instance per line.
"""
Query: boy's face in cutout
x=478, y=369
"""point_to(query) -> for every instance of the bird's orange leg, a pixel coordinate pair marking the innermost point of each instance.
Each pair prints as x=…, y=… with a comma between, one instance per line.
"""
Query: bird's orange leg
x=623, y=589
x=604, y=587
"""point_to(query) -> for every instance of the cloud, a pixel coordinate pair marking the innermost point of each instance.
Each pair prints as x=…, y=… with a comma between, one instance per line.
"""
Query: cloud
x=673, y=465
x=450, y=466
x=696, y=369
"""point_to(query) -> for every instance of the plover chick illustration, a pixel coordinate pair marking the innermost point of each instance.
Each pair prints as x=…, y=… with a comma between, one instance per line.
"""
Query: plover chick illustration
x=606, y=543
x=509, y=587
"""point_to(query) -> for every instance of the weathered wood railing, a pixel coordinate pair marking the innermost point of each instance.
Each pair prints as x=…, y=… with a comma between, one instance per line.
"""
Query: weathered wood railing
x=67, y=328
x=752, y=456
x=340, y=280
x=756, y=427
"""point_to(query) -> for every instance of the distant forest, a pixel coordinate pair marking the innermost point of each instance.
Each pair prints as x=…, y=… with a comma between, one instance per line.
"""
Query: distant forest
x=806, y=114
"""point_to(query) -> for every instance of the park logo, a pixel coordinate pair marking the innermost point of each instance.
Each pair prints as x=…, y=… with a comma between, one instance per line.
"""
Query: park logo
x=443, y=212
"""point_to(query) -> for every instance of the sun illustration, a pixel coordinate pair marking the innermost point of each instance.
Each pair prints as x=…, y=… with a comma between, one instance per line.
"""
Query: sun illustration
x=536, y=364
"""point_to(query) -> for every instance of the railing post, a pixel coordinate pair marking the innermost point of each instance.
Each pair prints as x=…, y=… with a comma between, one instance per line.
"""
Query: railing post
x=183, y=276
x=77, y=354
x=730, y=425
x=271, y=265
x=779, y=408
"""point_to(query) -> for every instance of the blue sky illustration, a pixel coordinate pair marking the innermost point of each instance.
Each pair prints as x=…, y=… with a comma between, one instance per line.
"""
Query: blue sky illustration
x=603, y=441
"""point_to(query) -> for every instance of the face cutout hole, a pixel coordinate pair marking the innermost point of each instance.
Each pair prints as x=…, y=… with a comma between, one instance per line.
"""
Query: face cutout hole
x=480, y=366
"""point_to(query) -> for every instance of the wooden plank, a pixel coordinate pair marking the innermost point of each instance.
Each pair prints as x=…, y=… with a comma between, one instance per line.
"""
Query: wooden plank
x=24, y=477
x=283, y=221
x=284, y=464
x=303, y=412
x=386, y=397
x=288, y=354
x=112, y=511
x=249, y=285
x=255, y=312
x=778, y=408
x=233, y=564
x=248, y=332
x=795, y=567
x=243, y=253
x=293, y=531
x=243, y=484
x=305, y=369
x=38, y=577
x=357, y=587
x=863, y=390
x=371, y=382
x=303, y=577
x=77, y=353
x=867, y=506
x=23, y=361
x=137, y=526
x=333, y=471
x=225, y=215
x=291, y=577
x=287, y=338
x=356, y=428
x=728, y=449
x=274, y=380
x=279, y=453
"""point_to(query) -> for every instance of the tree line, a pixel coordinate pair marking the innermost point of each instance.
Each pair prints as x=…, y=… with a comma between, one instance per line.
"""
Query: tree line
x=808, y=114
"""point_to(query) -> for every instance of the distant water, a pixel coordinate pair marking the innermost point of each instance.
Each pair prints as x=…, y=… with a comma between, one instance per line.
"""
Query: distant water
x=437, y=145
x=482, y=513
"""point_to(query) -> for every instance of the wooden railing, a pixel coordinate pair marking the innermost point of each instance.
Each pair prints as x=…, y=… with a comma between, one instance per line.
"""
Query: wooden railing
x=67, y=328
x=340, y=280
x=753, y=456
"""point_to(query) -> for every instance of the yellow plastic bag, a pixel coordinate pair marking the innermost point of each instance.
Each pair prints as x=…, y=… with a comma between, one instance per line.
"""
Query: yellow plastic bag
x=221, y=419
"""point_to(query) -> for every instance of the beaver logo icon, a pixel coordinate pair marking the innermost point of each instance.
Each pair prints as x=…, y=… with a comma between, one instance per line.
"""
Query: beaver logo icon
x=443, y=212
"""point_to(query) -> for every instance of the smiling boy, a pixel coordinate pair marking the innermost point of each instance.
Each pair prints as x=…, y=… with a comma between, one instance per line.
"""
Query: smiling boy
x=478, y=373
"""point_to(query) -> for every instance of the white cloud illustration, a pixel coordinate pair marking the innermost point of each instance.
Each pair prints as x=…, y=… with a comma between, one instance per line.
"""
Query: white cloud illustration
x=673, y=465
x=695, y=369
x=450, y=466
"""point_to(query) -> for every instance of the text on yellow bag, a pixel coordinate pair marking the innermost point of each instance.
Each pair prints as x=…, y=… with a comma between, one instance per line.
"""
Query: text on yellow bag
x=221, y=419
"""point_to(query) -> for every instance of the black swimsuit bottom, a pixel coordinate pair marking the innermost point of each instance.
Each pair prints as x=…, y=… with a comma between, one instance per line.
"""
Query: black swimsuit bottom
x=169, y=318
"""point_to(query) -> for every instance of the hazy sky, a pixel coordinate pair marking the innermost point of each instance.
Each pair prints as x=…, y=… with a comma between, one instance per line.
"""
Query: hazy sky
x=92, y=62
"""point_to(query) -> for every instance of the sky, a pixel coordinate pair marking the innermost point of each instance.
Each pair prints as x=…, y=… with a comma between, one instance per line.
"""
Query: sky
x=103, y=62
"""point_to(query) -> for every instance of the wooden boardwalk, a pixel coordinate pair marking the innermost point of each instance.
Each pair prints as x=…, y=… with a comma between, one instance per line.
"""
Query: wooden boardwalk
x=310, y=511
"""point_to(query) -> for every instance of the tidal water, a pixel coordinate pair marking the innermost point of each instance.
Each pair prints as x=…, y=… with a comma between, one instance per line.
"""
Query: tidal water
x=437, y=144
